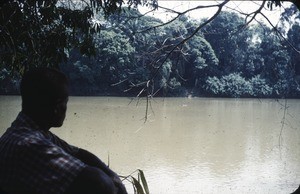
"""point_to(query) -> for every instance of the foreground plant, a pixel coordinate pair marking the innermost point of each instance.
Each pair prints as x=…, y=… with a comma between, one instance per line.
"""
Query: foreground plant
x=139, y=184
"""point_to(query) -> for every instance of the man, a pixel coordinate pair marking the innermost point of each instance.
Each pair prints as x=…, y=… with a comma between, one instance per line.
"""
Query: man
x=34, y=160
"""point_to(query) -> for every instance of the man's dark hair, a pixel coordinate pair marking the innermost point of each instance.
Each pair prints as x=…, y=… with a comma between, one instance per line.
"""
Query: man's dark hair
x=42, y=87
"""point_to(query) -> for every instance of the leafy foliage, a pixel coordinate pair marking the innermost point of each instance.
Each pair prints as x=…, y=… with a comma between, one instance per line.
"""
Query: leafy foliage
x=140, y=185
x=127, y=54
x=37, y=33
x=232, y=85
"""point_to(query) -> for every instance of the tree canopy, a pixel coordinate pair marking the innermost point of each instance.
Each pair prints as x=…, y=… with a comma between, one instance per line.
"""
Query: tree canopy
x=101, y=44
x=37, y=32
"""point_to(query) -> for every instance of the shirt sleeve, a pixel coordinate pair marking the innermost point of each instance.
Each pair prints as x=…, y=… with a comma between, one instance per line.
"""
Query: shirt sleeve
x=46, y=167
x=73, y=150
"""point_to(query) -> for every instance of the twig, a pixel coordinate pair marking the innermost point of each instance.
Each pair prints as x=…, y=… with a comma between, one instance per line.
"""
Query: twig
x=155, y=73
x=280, y=34
x=180, y=14
x=282, y=122
x=253, y=18
x=189, y=37
x=258, y=11
x=119, y=82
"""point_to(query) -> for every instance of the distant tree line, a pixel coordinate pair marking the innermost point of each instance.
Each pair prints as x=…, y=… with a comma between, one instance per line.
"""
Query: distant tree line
x=224, y=59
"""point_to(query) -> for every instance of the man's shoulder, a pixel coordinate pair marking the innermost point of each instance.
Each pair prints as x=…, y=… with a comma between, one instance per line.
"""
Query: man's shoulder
x=22, y=135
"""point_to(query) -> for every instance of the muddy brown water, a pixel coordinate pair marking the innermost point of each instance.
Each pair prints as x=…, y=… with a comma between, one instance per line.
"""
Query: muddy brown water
x=187, y=145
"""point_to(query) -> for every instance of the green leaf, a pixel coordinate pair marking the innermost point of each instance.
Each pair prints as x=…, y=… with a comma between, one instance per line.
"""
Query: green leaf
x=138, y=186
x=144, y=182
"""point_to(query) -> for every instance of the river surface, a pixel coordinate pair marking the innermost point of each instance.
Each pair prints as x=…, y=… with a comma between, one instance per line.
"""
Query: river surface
x=187, y=146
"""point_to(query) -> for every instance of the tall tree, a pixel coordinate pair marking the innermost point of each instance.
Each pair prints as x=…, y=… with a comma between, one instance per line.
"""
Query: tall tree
x=229, y=40
x=37, y=32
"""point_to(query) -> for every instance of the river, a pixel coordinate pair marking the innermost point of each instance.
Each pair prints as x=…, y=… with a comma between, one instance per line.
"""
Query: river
x=188, y=145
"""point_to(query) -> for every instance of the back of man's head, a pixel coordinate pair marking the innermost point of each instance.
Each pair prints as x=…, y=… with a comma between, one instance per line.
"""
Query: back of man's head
x=41, y=88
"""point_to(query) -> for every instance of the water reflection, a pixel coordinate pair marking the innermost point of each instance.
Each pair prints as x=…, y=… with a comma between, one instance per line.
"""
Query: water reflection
x=188, y=145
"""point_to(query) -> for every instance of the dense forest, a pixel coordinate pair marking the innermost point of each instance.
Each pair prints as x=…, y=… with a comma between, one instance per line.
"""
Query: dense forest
x=224, y=59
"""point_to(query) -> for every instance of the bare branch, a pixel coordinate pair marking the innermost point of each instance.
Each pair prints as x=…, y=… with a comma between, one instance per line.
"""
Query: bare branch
x=283, y=121
x=254, y=14
x=120, y=82
x=280, y=34
x=220, y=6
x=149, y=92
x=181, y=13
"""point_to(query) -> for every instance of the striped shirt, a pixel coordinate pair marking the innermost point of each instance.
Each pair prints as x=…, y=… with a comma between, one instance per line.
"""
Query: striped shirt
x=36, y=161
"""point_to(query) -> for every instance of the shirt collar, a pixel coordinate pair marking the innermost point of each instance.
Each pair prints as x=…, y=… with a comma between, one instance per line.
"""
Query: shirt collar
x=25, y=121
